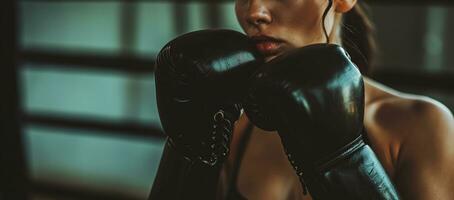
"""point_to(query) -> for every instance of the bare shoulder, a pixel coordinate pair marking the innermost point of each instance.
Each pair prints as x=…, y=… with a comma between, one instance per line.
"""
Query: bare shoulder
x=407, y=115
x=414, y=139
x=416, y=124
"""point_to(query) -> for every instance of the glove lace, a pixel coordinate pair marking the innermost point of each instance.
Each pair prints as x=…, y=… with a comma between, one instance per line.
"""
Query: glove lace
x=298, y=171
x=218, y=142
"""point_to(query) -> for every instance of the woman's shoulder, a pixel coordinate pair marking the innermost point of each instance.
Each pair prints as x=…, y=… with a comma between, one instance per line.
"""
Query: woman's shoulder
x=412, y=124
x=410, y=114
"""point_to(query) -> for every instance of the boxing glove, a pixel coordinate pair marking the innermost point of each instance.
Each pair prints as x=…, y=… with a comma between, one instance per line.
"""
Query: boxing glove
x=201, y=78
x=314, y=97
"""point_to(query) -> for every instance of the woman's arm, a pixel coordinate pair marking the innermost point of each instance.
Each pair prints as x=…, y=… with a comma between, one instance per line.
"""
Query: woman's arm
x=426, y=161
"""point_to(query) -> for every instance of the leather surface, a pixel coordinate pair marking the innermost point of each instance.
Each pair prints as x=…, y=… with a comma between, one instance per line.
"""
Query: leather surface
x=314, y=97
x=356, y=176
x=196, y=75
x=201, y=78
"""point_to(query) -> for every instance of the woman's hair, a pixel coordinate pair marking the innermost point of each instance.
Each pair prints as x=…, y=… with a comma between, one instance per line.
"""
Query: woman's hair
x=358, y=37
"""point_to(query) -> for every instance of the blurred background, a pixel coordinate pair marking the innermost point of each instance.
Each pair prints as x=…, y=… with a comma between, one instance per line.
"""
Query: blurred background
x=79, y=117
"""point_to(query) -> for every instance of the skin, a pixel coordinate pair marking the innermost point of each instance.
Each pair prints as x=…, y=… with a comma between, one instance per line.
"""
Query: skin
x=413, y=136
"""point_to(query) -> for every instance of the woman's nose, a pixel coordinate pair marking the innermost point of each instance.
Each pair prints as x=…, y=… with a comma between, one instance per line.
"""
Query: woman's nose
x=258, y=13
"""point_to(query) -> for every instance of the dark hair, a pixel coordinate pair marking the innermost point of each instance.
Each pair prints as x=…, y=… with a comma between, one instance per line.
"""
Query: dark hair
x=358, y=37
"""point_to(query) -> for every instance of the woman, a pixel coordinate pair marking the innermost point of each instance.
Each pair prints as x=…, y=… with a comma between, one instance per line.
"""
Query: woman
x=413, y=136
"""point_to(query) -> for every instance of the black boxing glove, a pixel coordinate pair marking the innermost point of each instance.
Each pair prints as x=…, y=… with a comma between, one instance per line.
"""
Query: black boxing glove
x=201, y=77
x=314, y=98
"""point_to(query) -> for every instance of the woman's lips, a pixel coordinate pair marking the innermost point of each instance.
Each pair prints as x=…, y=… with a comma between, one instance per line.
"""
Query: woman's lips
x=268, y=47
